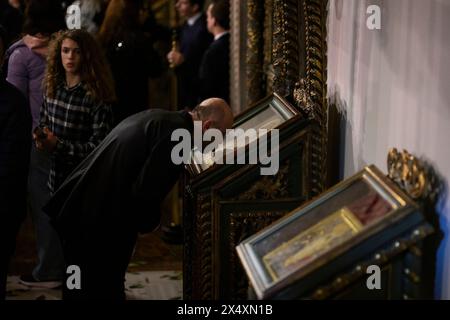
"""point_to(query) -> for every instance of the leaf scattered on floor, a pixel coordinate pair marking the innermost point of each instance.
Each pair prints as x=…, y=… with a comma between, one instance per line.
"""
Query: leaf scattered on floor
x=137, y=286
x=177, y=276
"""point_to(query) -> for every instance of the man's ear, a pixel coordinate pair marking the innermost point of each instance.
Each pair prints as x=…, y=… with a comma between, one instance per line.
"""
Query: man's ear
x=207, y=125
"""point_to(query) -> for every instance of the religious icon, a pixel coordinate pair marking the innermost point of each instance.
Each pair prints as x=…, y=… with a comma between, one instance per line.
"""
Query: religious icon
x=317, y=233
x=264, y=116
x=325, y=235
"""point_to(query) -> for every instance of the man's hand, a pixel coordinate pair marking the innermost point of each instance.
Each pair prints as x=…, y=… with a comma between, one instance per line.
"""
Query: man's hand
x=175, y=58
x=47, y=143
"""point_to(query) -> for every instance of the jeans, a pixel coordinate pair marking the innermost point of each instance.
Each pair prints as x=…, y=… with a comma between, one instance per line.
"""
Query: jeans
x=51, y=262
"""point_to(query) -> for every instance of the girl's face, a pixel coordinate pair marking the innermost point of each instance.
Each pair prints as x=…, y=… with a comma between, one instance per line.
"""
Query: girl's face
x=70, y=56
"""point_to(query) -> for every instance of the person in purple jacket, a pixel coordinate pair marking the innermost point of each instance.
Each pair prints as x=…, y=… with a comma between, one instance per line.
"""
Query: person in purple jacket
x=25, y=70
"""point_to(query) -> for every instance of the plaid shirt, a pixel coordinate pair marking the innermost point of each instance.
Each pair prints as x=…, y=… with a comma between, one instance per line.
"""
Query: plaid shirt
x=79, y=123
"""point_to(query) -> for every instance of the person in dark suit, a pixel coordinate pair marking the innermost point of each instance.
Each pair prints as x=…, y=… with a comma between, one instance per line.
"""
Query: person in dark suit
x=131, y=55
x=15, y=144
x=214, y=71
x=116, y=192
x=194, y=40
x=12, y=19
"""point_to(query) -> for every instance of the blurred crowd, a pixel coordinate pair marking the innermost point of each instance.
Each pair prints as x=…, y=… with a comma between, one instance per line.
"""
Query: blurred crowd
x=62, y=91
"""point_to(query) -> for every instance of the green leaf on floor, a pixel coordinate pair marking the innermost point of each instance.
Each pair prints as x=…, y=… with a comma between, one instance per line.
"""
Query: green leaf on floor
x=137, y=286
x=133, y=265
x=177, y=276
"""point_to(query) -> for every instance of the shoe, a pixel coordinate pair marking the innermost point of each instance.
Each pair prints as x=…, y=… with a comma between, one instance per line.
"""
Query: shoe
x=30, y=281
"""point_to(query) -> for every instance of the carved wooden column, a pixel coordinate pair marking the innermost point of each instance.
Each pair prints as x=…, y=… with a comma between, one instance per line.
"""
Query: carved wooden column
x=276, y=46
x=247, y=53
x=255, y=51
x=285, y=46
x=311, y=88
x=268, y=45
x=237, y=54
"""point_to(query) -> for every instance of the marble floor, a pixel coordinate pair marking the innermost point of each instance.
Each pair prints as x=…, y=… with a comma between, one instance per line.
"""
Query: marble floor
x=154, y=272
x=144, y=285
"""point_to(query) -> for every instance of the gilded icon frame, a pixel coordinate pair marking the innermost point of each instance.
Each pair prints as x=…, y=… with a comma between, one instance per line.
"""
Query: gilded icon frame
x=259, y=116
x=321, y=230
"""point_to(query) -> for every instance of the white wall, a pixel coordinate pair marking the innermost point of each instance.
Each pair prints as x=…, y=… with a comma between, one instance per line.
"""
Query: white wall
x=394, y=86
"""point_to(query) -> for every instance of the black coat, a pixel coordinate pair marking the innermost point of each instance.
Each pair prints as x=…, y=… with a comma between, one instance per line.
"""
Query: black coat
x=15, y=144
x=215, y=70
x=194, y=41
x=11, y=19
x=124, y=180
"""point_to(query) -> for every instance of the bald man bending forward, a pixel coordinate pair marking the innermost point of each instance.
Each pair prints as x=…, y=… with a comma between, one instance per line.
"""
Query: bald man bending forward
x=116, y=193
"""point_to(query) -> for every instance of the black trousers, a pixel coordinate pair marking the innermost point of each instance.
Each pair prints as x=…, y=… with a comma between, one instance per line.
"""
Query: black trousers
x=9, y=228
x=103, y=259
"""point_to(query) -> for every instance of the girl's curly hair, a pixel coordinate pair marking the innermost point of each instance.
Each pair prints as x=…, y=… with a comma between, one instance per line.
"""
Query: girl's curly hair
x=94, y=68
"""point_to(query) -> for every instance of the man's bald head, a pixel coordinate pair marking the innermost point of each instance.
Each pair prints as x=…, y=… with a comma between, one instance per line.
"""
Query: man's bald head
x=214, y=113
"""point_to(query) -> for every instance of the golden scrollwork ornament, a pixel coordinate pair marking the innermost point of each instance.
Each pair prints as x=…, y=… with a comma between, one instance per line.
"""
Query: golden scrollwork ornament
x=303, y=97
x=409, y=173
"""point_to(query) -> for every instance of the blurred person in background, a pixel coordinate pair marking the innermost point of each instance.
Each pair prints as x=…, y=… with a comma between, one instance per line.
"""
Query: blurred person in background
x=214, y=71
x=194, y=40
x=131, y=56
x=18, y=4
x=11, y=18
x=92, y=14
x=26, y=60
x=15, y=126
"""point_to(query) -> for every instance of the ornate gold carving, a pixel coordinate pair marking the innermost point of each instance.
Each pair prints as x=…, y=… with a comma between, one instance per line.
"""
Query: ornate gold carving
x=236, y=58
x=274, y=43
x=197, y=275
x=397, y=247
x=303, y=98
x=314, y=15
x=255, y=51
x=268, y=27
x=412, y=175
x=286, y=41
x=188, y=216
x=242, y=226
x=268, y=187
x=204, y=237
x=286, y=44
